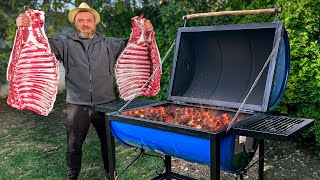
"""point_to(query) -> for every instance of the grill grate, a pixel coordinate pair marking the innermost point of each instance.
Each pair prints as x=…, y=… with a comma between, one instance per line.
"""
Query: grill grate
x=274, y=124
x=272, y=127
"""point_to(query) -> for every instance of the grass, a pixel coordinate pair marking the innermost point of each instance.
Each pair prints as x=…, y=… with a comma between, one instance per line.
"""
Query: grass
x=33, y=147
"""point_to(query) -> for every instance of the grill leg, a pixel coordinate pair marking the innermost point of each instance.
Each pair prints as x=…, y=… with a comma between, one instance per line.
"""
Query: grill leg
x=111, y=150
x=167, y=161
x=261, y=157
x=215, y=157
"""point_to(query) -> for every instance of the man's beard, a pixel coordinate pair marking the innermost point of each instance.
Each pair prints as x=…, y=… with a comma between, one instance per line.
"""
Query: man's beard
x=86, y=35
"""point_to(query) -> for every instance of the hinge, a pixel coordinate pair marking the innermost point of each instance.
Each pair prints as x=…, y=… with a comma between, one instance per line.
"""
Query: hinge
x=247, y=110
x=236, y=109
x=178, y=102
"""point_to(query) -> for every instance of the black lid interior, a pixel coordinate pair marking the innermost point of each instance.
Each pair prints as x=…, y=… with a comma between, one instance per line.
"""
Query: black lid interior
x=218, y=65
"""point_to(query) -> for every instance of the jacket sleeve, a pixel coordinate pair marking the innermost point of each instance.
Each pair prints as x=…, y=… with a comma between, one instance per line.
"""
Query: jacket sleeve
x=57, y=46
x=116, y=46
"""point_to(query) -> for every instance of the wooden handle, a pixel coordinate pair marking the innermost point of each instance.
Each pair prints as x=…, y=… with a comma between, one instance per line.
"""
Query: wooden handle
x=223, y=13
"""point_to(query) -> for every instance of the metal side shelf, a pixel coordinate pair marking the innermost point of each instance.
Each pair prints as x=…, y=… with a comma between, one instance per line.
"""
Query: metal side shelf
x=278, y=128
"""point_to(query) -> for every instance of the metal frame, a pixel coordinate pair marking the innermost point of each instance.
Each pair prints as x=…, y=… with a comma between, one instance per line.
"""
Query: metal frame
x=261, y=159
x=168, y=174
x=213, y=136
x=214, y=157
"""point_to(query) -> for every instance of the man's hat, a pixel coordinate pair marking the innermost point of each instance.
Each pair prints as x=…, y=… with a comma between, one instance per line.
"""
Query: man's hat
x=83, y=7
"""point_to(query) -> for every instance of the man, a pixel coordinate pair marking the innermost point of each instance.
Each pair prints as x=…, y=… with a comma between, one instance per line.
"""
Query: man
x=88, y=58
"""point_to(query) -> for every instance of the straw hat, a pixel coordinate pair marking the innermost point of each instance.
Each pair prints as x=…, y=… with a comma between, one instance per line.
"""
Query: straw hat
x=83, y=7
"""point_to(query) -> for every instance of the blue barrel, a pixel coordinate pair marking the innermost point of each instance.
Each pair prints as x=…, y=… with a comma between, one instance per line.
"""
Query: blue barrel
x=186, y=147
x=281, y=72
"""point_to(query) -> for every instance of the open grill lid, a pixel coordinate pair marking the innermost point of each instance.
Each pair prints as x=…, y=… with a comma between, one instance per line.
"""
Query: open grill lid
x=217, y=65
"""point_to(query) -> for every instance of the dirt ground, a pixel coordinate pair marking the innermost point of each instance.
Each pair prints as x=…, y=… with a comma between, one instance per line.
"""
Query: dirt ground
x=287, y=161
x=292, y=160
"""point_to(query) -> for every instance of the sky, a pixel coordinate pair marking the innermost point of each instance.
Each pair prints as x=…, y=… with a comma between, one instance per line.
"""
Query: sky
x=71, y=6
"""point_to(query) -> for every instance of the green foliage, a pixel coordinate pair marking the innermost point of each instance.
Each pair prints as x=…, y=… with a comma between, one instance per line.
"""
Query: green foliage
x=249, y=5
x=311, y=111
x=302, y=19
x=166, y=25
x=10, y=10
x=4, y=57
x=116, y=20
x=312, y=135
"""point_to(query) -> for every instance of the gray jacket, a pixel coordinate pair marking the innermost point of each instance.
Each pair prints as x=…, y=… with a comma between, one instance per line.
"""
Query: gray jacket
x=89, y=72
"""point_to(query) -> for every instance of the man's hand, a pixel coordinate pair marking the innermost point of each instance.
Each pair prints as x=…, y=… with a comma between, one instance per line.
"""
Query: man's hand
x=23, y=20
x=148, y=26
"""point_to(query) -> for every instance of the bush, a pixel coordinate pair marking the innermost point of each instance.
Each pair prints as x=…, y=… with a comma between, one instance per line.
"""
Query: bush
x=301, y=18
x=4, y=58
x=312, y=111
x=302, y=95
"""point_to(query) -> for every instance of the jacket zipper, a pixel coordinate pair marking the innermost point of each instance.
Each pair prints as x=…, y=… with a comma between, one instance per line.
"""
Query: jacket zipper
x=90, y=81
x=90, y=75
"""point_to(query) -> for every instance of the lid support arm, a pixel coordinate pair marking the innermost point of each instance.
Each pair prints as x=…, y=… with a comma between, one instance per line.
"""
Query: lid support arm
x=254, y=84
